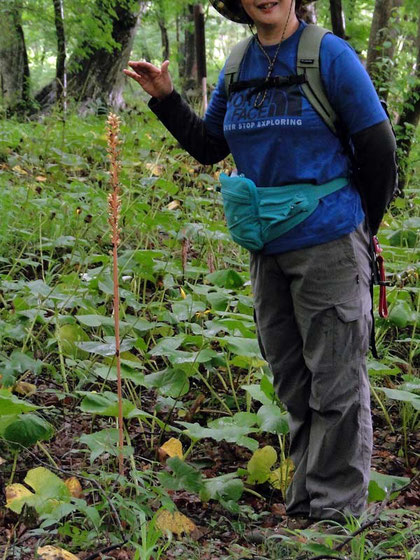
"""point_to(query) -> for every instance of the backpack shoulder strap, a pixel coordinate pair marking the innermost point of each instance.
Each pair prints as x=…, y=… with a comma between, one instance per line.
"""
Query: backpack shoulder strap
x=233, y=62
x=308, y=63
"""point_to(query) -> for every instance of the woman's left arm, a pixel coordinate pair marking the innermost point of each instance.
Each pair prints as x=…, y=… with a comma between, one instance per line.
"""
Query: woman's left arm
x=365, y=122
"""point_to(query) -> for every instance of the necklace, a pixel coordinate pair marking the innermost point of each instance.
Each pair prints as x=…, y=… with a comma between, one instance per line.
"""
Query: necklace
x=260, y=97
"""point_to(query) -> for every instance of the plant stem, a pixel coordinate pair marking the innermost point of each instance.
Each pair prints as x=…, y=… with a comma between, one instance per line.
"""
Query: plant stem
x=12, y=474
x=113, y=129
x=47, y=454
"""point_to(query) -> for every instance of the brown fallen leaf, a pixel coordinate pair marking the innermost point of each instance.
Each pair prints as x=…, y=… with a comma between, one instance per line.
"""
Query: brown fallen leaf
x=74, y=486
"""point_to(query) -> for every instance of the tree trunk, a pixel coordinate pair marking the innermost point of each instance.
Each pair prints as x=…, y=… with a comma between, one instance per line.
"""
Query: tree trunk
x=99, y=76
x=381, y=45
x=307, y=13
x=337, y=18
x=200, y=52
x=165, y=39
x=14, y=67
x=188, y=66
x=409, y=117
x=60, y=75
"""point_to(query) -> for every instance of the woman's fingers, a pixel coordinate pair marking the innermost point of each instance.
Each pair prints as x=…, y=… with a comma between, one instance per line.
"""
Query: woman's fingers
x=135, y=75
x=143, y=66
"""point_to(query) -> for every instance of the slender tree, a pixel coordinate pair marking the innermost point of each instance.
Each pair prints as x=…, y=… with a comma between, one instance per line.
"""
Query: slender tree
x=188, y=66
x=161, y=19
x=337, y=18
x=14, y=67
x=60, y=76
x=200, y=51
x=410, y=115
x=381, y=44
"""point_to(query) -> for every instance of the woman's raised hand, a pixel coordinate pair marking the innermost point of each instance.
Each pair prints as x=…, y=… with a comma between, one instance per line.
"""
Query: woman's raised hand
x=155, y=81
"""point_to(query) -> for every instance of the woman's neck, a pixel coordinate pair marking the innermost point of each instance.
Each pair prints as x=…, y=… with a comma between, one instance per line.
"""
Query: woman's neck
x=273, y=34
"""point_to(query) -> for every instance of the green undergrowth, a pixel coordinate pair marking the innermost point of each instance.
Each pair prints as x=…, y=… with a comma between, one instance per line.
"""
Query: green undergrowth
x=191, y=364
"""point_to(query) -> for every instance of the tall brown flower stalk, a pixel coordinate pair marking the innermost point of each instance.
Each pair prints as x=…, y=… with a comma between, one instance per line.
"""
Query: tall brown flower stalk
x=114, y=202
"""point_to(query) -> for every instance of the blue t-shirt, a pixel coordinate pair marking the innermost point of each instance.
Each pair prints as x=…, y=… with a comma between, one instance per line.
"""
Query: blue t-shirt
x=287, y=142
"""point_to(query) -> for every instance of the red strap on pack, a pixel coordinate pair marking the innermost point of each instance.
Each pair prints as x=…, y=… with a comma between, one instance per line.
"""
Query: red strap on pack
x=383, y=306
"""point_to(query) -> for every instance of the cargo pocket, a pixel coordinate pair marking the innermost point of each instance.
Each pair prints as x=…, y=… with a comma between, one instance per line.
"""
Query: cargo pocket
x=351, y=337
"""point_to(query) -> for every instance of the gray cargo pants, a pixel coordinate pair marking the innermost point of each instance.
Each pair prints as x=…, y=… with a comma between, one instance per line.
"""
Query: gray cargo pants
x=312, y=309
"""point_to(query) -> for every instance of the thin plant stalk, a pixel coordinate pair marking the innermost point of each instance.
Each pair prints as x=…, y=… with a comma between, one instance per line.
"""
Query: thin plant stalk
x=114, y=201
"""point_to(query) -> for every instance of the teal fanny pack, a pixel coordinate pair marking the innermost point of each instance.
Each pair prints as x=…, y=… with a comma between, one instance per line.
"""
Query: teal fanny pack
x=257, y=215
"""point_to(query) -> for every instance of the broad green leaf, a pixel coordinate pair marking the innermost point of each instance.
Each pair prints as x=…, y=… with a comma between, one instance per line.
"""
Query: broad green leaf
x=105, y=404
x=376, y=368
x=105, y=348
x=171, y=382
x=400, y=395
x=105, y=441
x=401, y=314
x=259, y=466
x=184, y=477
x=227, y=278
x=47, y=484
x=167, y=345
x=10, y=404
x=242, y=346
x=381, y=485
x=227, y=489
x=272, y=419
x=27, y=429
x=228, y=432
x=257, y=393
x=218, y=300
x=96, y=320
x=185, y=309
x=69, y=337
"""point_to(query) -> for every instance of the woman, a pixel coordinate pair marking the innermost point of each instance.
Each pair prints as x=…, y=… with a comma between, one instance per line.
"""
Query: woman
x=310, y=284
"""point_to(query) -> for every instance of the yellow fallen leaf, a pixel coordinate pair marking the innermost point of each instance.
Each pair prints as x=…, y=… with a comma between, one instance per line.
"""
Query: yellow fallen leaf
x=74, y=486
x=183, y=294
x=41, y=178
x=281, y=477
x=177, y=522
x=174, y=205
x=15, y=492
x=154, y=168
x=173, y=448
x=23, y=388
x=19, y=170
x=55, y=553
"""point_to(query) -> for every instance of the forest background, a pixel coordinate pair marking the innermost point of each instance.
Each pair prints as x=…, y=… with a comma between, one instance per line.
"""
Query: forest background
x=204, y=464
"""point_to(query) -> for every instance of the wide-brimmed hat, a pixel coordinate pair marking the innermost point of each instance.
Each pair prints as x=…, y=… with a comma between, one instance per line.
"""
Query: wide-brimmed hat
x=232, y=9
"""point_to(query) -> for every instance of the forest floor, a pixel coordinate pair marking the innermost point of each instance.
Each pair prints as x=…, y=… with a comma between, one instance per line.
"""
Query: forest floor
x=192, y=370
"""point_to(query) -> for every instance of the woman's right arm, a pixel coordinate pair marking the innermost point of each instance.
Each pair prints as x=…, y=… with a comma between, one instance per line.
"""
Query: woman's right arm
x=177, y=116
